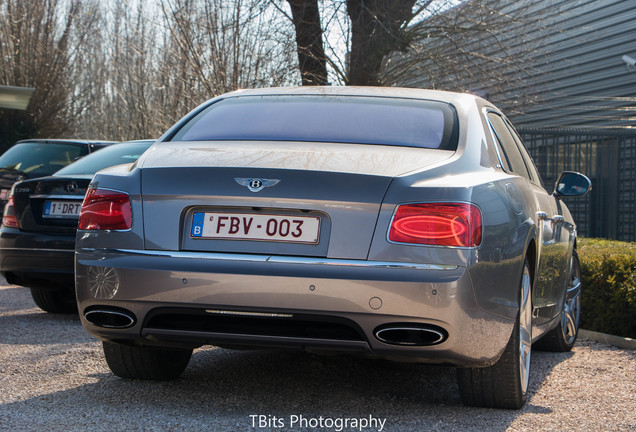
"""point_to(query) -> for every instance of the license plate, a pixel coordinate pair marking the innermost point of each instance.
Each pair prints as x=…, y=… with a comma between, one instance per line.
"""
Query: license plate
x=4, y=194
x=259, y=227
x=61, y=209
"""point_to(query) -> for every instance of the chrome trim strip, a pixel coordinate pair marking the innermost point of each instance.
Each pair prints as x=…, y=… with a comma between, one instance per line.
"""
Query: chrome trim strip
x=248, y=314
x=60, y=197
x=358, y=263
x=37, y=249
x=275, y=259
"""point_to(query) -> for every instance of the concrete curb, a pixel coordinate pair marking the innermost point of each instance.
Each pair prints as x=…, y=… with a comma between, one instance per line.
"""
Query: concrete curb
x=618, y=341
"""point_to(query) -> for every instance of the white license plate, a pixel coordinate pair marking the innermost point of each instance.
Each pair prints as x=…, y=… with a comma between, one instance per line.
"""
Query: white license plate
x=61, y=208
x=260, y=227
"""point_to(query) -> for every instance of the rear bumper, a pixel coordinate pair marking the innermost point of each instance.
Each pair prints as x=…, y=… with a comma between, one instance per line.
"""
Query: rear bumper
x=36, y=259
x=183, y=298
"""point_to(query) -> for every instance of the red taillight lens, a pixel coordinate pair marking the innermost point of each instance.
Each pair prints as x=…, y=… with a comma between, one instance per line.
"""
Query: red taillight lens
x=442, y=224
x=9, y=218
x=105, y=210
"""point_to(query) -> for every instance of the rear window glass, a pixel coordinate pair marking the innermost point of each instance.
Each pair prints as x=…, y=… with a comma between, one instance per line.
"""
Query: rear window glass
x=40, y=159
x=115, y=154
x=337, y=119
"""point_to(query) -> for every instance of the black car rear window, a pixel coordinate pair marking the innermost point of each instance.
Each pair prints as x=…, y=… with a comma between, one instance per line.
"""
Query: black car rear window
x=337, y=119
x=115, y=154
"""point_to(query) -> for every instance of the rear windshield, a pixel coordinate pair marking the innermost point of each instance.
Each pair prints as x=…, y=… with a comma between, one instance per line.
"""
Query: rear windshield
x=337, y=119
x=40, y=159
x=115, y=154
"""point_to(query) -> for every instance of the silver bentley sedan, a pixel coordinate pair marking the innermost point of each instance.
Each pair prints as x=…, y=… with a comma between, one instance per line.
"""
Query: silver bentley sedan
x=403, y=224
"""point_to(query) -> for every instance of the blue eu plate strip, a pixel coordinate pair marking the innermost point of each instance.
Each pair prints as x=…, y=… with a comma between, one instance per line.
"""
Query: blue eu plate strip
x=197, y=224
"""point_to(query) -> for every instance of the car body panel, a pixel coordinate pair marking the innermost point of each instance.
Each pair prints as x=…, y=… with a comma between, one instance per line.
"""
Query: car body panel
x=354, y=273
x=324, y=288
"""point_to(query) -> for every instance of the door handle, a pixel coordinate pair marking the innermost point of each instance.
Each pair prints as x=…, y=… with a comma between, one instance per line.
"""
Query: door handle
x=557, y=219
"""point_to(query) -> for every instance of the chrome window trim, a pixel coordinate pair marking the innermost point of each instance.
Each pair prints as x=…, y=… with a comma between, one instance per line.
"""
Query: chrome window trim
x=495, y=139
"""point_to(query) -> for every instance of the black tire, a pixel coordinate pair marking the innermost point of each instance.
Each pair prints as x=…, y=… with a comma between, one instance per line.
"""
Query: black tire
x=504, y=384
x=563, y=337
x=54, y=301
x=146, y=363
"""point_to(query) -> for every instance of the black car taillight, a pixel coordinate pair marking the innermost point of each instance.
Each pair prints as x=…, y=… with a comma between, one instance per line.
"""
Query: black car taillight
x=104, y=209
x=442, y=224
x=9, y=218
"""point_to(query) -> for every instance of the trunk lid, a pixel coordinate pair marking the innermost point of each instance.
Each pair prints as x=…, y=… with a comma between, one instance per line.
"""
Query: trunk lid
x=337, y=187
x=50, y=204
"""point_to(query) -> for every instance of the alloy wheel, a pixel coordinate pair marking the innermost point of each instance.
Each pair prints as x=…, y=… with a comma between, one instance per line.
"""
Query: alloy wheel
x=525, y=329
x=571, y=314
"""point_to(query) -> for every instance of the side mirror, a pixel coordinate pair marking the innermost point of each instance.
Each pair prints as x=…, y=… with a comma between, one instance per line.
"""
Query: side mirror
x=571, y=184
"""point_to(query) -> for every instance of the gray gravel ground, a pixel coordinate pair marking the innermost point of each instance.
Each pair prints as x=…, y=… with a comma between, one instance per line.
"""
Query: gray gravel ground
x=53, y=378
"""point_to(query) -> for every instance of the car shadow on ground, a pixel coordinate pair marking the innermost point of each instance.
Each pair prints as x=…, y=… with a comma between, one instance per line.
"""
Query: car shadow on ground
x=224, y=390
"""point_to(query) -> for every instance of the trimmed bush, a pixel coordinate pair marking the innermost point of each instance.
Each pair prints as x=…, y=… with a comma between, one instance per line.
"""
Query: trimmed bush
x=608, y=274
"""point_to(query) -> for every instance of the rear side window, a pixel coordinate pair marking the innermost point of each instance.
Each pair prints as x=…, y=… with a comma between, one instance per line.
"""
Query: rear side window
x=511, y=156
x=338, y=119
x=532, y=169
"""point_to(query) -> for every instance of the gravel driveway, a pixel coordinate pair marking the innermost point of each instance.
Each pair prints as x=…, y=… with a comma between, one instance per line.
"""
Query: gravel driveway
x=53, y=378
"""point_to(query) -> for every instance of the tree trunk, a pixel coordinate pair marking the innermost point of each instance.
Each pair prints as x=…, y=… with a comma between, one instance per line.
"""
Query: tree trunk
x=311, y=53
x=377, y=30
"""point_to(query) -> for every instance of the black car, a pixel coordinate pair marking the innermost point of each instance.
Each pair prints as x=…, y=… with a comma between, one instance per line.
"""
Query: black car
x=40, y=219
x=40, y=157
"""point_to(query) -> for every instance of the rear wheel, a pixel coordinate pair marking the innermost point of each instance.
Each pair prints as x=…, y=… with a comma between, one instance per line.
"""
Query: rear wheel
x=504, y=384
x=54, y=301
x=146, y=363
x=563, y=336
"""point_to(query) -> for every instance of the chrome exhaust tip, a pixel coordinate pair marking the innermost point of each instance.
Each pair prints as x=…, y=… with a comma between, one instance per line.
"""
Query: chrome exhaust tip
x=410, y=334
x=111, y=318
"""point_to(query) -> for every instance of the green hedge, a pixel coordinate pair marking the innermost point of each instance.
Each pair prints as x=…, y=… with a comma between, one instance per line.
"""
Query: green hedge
x=608, y=274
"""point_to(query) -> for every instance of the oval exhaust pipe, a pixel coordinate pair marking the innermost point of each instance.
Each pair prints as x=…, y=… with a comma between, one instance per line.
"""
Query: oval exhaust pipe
x=411, y=334
x=110, y=318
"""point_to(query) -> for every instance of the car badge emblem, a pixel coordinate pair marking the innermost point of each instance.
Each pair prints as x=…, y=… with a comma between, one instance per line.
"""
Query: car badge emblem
x=256, y=184
x=72, y=187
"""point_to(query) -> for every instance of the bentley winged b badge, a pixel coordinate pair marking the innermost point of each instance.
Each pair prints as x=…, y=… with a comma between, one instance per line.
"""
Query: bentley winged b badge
x=256, y=184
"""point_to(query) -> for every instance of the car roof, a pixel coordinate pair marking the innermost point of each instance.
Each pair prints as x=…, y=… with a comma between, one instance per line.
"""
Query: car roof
x=395, y=92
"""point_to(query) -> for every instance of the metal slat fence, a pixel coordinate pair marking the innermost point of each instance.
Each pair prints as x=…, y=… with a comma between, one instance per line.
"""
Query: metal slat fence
x=608, y=158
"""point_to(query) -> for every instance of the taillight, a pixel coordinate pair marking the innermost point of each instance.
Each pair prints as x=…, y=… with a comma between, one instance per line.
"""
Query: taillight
x=105, y=210
x=442, y=224
x=9, y=219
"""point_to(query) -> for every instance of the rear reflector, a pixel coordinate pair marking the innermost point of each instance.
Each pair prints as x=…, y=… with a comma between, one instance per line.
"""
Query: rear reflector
x=9, y=218
x=105, y=210
x=441, y=224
